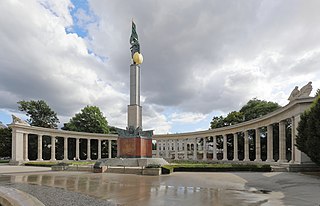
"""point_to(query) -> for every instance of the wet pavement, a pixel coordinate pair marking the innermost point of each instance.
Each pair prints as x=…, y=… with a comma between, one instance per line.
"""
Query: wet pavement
x=242, y=188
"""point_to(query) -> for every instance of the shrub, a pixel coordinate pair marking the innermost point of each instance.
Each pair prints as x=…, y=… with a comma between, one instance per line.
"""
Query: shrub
x=308, y=138
x=153, y=166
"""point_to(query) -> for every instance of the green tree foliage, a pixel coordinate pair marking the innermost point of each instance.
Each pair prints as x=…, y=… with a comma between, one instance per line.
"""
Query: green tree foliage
x=256, y=108
x=90, y=119
x=5, y=142
x=317, y=93
x=40, y=113
x=253, y=109
x=308, y=138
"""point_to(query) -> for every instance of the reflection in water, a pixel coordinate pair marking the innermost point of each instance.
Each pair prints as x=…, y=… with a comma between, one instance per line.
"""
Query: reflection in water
x=142, y=190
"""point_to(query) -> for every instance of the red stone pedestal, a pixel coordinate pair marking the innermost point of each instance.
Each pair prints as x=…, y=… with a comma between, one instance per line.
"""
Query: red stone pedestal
x=135, y=147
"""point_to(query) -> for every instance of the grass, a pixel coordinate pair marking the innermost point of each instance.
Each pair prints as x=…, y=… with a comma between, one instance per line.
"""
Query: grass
x=4, y=161
x=209, y=167
x=50, y=164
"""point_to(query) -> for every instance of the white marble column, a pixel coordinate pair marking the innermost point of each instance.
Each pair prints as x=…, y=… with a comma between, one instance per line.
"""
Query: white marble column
x=185, y=149
x=25, y=147
x=109, y=149
x=53, y=148
x=246, y=146
x=39, y=148
x=282, y=142
x=258, y=145
x=225, y=150
x=270, y=143
x=88, y=149
x=214, y=144
x=176, y=149
x=65, y=148
x=204, y=148
x=77, y=148
x=195, y=152
x=99, y=148
x=235, y=147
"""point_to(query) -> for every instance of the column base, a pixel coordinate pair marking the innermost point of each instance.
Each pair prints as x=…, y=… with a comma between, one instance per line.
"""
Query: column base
x=269, y=160
x=258, y=160
x=39, y=159
x=235, y=160
x=282, y=161
x=247, y=160
x=53, y=160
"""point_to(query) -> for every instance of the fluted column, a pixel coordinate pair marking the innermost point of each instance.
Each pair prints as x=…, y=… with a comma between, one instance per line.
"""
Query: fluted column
x=258, y=145
x=282, y=142
x=246, y=146
x=65, y=148
x=225, y=150
x=185, y=149
x=270, y=143
x=88, y=149
x=235, y=147
x=214, y=155
x=109, y=149
x=204, y=148
x=77, y=149
x=195, y=152
x=176, y=149
x=53, y=148
x=25, y=147
x=99, y=148
x=39, y=148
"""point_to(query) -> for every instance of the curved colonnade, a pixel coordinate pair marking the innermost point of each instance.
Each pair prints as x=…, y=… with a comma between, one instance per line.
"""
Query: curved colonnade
x=21, y=133
x=203, y=145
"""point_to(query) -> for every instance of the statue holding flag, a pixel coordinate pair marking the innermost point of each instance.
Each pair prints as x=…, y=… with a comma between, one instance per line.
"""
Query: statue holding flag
x=135, y=46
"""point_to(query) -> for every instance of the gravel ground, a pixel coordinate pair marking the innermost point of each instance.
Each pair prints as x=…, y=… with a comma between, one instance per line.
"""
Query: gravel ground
x=51, y=196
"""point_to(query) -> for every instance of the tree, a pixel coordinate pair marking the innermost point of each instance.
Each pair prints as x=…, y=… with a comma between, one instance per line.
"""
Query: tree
x=308, y=138
x=5, y=142
x=256, y=108
x=40, y=113
x=90, y=119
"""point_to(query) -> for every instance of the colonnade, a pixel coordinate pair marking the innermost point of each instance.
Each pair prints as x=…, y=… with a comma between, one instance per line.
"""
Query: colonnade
x=22, y=134
x=200, y=147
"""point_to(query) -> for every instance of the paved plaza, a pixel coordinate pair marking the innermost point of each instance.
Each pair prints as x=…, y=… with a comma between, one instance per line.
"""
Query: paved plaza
x=236, y=188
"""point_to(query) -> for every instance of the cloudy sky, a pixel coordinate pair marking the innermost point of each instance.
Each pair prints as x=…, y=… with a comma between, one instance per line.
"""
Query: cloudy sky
x=202, y=58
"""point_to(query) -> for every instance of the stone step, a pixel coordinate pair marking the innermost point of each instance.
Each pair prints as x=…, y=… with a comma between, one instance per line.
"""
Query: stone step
x=279, y=169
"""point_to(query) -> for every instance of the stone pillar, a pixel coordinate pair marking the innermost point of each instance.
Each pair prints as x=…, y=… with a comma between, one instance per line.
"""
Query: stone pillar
x=88, y=149
x=225, y=149
x=258, y=145
x=282, y=142
x=99, y=148
x=53, y=148
x=185, y=149
x=65, y=148
x=166, y=148
x=176, y=149
x=293, y=140
x=204, y=148
x=270, y=143
x=214, y=152
x=235, y=147
x=39, y=148
x=109, y=149
x=195, y=152
x=77, y=148
x=157, y=147
x=246, y=146
x=25, y=147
